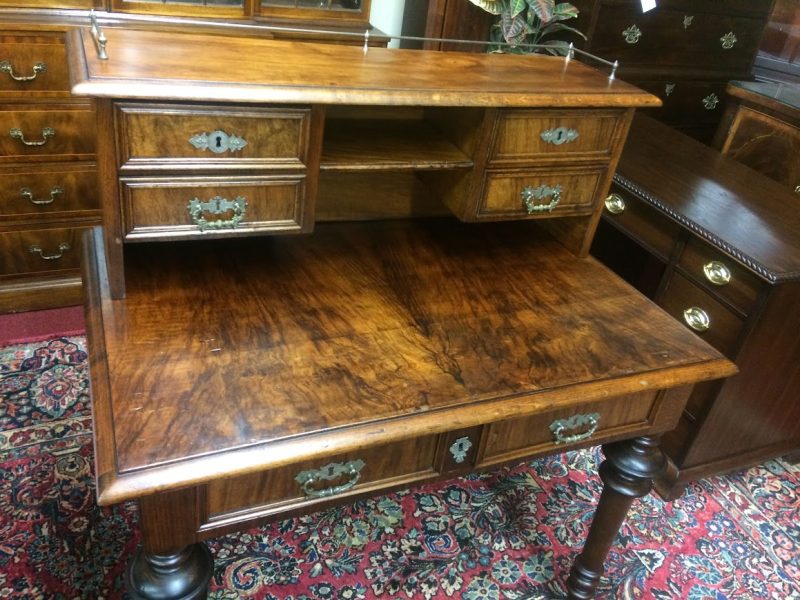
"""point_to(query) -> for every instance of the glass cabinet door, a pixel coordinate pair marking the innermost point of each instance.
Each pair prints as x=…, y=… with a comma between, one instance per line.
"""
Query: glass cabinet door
x=351, y=11
x=192, y=8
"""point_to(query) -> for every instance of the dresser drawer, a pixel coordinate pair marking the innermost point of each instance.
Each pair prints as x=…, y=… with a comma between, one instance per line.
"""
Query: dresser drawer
x=566, y=192
x=379, y=467
x=40, y=250
x=710, y=319
x=47, y=190
x=686, y=101
x=641, y=222
x=47, y=132
x=167, y=209
x=32, y=62
x=164, y=136
x=724, y=277
x=516, y=438
x=526, y=135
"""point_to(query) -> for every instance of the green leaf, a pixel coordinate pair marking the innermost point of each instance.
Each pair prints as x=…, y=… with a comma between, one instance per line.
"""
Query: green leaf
x=517, y=7
x=542, y=9
x=553, y=27
x=564, y=11
x=514, y=28
x=494, y=7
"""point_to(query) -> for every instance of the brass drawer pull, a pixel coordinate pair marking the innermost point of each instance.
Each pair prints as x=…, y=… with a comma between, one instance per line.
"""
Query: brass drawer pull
x=559, y=135
x=697, y=318
x=62, y=247
x=27, y=194
x=717, y=273
x=711, y=101
x=615, y=204
x=217, y=206
x=331, y=472
x=530, y=195
x=728, y=40
x=39, y=67
x=17, y=134
x=589, y=421
x=632, y=34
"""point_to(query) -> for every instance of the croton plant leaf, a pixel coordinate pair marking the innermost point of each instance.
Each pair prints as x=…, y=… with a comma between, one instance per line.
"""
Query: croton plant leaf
x=542, y=9
x=494, y=7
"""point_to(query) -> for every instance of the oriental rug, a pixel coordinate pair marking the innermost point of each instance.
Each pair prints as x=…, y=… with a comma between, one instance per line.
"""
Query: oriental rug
x=507, y=534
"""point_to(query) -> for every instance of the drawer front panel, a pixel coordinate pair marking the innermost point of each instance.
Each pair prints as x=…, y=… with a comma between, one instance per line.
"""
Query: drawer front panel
x=156, y=209
x=40, y=250
x=686, y=101
x=399, y=462
x=507, y=440
x=52, y=190
x=641, y=222
x=723, y=328
x=504, y=194
x=663, y=38
x=719, y=273
x=524, y=135
x=164, y=136
x=62, y=132
x=32, y=62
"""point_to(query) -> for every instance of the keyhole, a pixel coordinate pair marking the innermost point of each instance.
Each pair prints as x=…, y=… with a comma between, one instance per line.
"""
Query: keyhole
x=559, y=136
x=219, y=141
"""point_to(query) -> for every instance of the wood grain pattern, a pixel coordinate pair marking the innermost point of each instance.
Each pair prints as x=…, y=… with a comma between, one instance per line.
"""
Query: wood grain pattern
x=295, y=348
x=70, y=122
x=77, y=196
x=333, y=74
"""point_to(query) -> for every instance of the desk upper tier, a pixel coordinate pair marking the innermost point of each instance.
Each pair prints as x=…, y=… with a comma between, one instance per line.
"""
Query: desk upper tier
x=269, y=137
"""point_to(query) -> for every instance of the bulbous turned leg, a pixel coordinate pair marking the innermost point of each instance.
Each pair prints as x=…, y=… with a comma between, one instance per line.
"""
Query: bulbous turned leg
x=627, y=474
x=184, y=575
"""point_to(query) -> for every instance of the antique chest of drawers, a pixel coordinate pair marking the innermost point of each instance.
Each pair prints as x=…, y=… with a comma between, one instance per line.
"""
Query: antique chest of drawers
x=683, y=51
x=718, y=247
x=48, y=192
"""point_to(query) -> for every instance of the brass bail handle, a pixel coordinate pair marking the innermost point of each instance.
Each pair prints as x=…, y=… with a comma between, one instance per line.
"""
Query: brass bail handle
x=6, y=67
x=62, y=247
x=27, y=194
x=531, y=195
x=331, y=472
x=17, y=134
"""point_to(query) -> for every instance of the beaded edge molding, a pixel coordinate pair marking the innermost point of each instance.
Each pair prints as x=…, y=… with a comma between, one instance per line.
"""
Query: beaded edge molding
x=721, y=244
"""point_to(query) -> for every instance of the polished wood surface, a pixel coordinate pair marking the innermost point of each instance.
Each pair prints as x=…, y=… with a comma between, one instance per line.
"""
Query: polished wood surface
x=332, y=74
x=356, y=335
x=704, y=209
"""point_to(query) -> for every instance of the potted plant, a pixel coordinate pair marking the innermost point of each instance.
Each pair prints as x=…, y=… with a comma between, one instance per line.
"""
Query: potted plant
x=522, y=24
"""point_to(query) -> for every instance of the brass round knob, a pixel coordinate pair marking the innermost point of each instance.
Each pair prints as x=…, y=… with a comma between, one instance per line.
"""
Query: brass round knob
x=717, y=273
x=697, y=318
x=615, y=204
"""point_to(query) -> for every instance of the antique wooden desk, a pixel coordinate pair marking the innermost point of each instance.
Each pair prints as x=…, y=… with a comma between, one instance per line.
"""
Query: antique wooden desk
x=238, y=377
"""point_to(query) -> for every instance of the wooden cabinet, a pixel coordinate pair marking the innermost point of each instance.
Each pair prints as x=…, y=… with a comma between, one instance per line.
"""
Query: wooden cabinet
x=48, y=192
x=682, y=51
x=717, y=246
x=761, y=129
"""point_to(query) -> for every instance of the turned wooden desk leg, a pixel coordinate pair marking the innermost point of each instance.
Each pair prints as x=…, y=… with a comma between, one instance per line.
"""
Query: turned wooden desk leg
x=172, y=564
x=627, y=473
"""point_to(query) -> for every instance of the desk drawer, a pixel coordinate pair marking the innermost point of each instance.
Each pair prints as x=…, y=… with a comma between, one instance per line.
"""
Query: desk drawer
x=312, y=481
x=47, y=132
x=165, y=136
x=711, y=320
x=60, y=190
x=40, y=250
x=517, y=438
x=724, y=277
x=566, y=192
x=165, y=209
x=641, y=222
x=32, y=62
x=525, y=135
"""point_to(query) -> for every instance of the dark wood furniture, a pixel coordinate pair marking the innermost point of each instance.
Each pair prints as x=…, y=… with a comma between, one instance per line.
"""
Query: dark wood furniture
x=761, y=129
x=296, y=368
x=778, y=57
x=295, y=371
x=717, y=245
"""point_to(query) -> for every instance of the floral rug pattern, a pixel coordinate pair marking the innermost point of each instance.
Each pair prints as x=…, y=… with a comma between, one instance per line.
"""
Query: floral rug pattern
x=507, y=534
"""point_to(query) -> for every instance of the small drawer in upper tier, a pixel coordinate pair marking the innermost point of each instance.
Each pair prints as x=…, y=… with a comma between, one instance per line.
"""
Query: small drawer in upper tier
x=32, y=62
x=47, y=132
x=524, y=135
x=217, y=207
x=159, y=136
x=538, y=193
x=641, y=222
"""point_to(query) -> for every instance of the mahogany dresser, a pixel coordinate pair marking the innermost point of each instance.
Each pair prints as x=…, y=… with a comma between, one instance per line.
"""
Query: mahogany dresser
x=761, y=129
x=442, y=316
x=717, y=245
x=683, y=51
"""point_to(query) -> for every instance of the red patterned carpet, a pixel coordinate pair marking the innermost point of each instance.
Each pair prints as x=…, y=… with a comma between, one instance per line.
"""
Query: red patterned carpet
x=507, y=534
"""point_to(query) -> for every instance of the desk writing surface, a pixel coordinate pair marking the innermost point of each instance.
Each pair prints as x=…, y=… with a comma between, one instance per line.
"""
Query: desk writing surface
x=386, y=329
x=263, y=70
